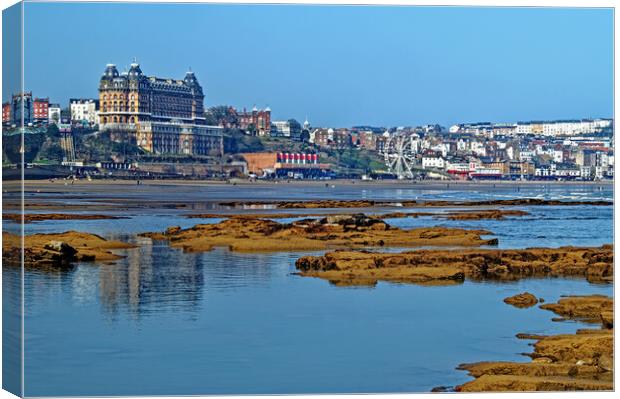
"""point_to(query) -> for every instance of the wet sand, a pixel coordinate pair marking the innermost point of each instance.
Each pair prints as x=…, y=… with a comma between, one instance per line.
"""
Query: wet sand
x=303, y=183
x=121, y=195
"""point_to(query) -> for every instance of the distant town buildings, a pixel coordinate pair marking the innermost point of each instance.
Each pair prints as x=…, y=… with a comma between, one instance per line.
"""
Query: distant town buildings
x=54, y=114
x=40, y=113
x=332, y=138
x=6, y=113
x=167, y=116
x=286, y=165
x=543, y=128
x=33, y=110
x=20, y=106
x=160, y=115
x=84, y=111
x=290, y=128
x=256, y=122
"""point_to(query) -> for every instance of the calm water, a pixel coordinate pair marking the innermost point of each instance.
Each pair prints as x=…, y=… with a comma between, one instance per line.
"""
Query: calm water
x=163, y=322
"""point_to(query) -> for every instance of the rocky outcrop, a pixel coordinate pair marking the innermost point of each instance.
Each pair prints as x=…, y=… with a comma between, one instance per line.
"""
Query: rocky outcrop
x=524, y=300
x=37, y=217
x=565, y=362
x=58, y=249
x=333, y=231
x=305, y=204
x=450, y=266
x=590, y=309
x=495, y=214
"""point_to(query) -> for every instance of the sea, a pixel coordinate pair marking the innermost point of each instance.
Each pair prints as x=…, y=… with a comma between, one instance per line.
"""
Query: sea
x=163, y=322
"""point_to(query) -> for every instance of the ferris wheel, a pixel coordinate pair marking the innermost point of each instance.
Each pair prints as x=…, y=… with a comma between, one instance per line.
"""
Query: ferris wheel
x=399, y=155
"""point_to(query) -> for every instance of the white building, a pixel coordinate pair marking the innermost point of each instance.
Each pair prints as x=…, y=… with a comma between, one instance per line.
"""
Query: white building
x=526, y=155
x=478, y=148
x=444, y=148
x=510, y=151
x=460, y=167
x=54, y=114
x=281, y=128
x=586, y=126
x=524, y=128
x=84, y=111
x=433, y=162
x=504, y=129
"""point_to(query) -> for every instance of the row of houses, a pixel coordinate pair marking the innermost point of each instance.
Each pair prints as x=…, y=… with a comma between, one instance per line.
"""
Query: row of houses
x=486, y=168
x=37, y=111
x=543, y=128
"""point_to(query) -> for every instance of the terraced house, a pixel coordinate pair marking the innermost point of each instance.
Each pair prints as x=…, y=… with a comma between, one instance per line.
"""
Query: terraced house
x=162, y=116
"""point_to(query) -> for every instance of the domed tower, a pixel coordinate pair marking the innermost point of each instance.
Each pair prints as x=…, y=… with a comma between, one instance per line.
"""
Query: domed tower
x=134, y=71
x=137, y=99
x=106, y=86
x=108, y=77
x=110, y=72
x=197, y=96
x=191, y=81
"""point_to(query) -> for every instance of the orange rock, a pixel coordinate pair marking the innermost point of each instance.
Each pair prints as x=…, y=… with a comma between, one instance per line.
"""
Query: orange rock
x=450, y=266
x=524, y=300
x=58, y=249
x=565, y=362
x=332, y=231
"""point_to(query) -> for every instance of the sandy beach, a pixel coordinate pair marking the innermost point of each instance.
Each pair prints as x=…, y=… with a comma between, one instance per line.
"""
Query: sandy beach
x=28, y=184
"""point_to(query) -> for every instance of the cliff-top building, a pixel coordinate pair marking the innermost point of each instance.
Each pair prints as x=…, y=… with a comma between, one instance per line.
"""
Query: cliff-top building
x=33, y=110
x=84, y=111
x=162, y=116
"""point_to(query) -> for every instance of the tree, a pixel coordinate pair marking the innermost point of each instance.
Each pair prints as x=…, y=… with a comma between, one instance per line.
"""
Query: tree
x=252, y=129
x=52, y=152
x=236, y=141
x=12, y=146
x=221, y=114
x=295, y=129
x=52, y=131
x=55, y=118
x=304, y=137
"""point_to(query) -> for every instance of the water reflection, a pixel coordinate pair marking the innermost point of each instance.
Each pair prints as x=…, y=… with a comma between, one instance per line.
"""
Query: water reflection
x=161, y=321
x=151, y=277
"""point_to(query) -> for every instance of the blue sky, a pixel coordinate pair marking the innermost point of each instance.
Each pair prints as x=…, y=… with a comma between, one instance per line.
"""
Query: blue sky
x=340, y=65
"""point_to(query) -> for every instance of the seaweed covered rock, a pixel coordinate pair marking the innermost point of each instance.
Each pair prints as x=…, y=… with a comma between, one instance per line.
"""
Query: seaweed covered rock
x=334, y=231
x=524, y=300
x=594, y=264
x=564, y=362
x=58, y=249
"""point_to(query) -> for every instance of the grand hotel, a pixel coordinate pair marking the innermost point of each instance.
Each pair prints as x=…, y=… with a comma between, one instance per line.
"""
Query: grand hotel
x=162, y=116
